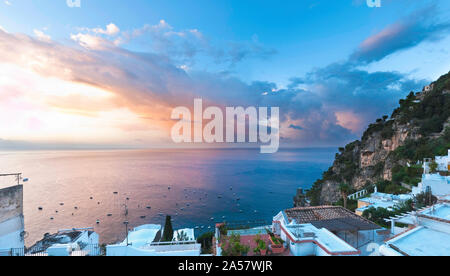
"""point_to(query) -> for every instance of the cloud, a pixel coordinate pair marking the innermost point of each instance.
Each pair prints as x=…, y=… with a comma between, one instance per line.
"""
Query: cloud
x=42, y=36
x=185, y=46
x=91, y=41
x=330, y=105
x=111, y=29
x=406, y=33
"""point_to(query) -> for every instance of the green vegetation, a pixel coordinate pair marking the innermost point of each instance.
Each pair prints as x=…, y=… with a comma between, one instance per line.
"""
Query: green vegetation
x=429, y=114
x=168, y=230
x=206, y=240
x=389, y=187
x=223, y=230
x=352, y=205
x=381, y=125
x=414, y=150
x=425, y=199
x=182, y=236
x=276, y=240
x=377, y=215
x=425, y=115
x=443, y=83
x=232, y=246
x=408, y=175
x=314, y=193
x=433, y=167
x=345, y=189
x=261, y=245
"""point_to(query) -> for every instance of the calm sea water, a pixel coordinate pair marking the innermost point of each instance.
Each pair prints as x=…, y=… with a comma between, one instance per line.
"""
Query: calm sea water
x=206, y=186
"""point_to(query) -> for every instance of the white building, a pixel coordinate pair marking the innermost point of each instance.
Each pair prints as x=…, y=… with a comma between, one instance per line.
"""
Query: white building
x=381, y=200
x=12, y=231
x=428, y=233
x=439, y=183
x=324, y=231
x=443, y=162
x=70, y=242
x=308, y=240
x=141, y=242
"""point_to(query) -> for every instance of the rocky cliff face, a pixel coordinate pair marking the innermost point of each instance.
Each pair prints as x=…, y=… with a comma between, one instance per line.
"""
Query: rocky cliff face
x=390, y=142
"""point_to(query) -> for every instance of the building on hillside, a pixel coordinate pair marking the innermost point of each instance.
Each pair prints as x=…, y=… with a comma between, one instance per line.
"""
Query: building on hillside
x=12, y=228
x=329, y=230
x=381, y=200
x=428, y=233
x=438, y=182
x=70, y=242
x=439, y=185
x=145, y=241
x=443, y=162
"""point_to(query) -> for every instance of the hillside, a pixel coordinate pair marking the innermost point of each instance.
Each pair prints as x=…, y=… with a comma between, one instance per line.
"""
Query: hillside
x=417, y=129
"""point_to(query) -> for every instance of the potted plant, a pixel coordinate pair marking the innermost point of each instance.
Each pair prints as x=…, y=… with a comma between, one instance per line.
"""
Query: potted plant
x=232, y=246
x=244, y=249
x=277, y=246
x=261, y=247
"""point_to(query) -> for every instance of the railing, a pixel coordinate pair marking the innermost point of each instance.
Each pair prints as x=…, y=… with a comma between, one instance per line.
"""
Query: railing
x=20, y=252
x=169, y=243
x=18, y=178
x=358, y=194
x=172, y=246
x=242, y=225
x=87, y=250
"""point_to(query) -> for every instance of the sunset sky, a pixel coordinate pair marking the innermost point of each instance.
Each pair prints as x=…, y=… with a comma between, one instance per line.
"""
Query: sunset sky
x=109, y=73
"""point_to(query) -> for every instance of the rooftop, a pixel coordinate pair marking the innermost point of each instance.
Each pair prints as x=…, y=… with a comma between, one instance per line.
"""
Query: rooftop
x=333, y=218
x=439, y=211
x=308, y=232
x=62, y=237
x=382, y=200
x=142, y=235
x=421, y=241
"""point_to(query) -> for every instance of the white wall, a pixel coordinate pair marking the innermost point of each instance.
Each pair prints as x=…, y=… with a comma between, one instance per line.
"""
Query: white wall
x=10, y=233
x=303, y=249
x=443, y=162
x=122, y=250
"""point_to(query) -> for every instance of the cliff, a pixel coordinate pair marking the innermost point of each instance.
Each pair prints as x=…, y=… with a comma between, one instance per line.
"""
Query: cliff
x=417, y=129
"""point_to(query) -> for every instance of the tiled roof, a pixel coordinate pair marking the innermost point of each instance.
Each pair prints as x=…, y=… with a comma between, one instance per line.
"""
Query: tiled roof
x=333, y=218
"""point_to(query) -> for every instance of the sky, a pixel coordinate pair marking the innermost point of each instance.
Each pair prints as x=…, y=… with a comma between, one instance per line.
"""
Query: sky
x=109, y=73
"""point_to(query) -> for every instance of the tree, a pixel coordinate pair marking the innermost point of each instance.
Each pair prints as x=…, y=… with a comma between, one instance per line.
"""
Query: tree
x=206, y=241
x=433, y=167
x=345, y=190
x=168, y=230
x=182, y=236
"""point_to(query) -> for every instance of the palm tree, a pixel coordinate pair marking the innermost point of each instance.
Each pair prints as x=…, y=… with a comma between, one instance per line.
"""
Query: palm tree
x=345, y=190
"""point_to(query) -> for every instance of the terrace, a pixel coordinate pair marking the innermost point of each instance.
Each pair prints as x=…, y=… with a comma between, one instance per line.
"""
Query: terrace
x=350, y=228
x=247, y=238
x=439, y=211
x=421, y=241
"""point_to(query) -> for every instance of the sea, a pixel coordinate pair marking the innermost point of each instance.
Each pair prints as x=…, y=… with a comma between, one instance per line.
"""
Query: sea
x=196, y=187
